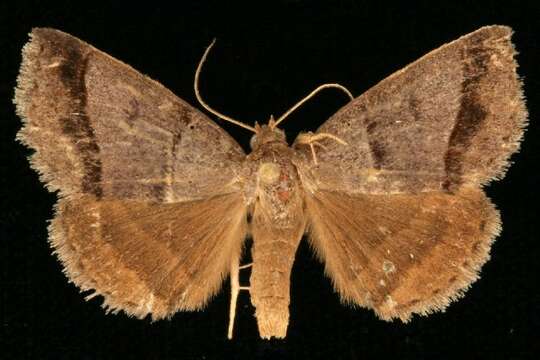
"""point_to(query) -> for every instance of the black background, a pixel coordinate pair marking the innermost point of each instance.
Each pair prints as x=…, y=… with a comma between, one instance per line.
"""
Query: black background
x=266, y=58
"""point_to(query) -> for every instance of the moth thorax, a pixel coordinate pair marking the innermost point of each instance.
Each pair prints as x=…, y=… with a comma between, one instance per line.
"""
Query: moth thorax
x=269, y=172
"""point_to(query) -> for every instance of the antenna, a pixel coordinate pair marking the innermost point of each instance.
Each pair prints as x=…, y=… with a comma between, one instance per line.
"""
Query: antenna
x=313, y=93
x=205, y=105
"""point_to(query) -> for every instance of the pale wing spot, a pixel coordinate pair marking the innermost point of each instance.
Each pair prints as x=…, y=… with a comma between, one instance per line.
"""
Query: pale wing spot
x=389, y=302
x=495, y=61
x=68, y=148
x=368, y=299
x=68, y=145
x=382, y=282
x=70, y=151
x=384, y=230
x=169, y=234
x=53, y=65
x=396, y=186
x=388, y=267
x=429, y=209
x=130, y=88
x=169, y=193
x=123, y=125
x=95, y=224
x=165, y=106
x=150, y=303
x=371, y=175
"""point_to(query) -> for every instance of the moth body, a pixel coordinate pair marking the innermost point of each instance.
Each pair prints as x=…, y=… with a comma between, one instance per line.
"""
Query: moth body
x=278, y=222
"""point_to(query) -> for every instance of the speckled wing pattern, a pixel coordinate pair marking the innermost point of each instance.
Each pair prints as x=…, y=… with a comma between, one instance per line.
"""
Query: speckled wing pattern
x=140, y=173
x=398, y=214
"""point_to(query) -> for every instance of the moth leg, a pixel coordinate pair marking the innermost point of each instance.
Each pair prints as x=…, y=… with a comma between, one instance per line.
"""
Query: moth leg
x=312, y=139
x=235, y=289
x=245, y=267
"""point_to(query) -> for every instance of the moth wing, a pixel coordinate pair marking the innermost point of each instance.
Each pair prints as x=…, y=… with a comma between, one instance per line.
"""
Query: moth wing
x=100, y=127
x=149, y=258
x=402, y=254
x=397, y=214
x=151, y=211
x=451, y=118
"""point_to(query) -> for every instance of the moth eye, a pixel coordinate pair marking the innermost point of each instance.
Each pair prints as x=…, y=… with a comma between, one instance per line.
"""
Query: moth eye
x=253, y=141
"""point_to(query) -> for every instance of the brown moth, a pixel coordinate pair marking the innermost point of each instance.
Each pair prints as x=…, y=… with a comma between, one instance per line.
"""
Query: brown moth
x=154, y=197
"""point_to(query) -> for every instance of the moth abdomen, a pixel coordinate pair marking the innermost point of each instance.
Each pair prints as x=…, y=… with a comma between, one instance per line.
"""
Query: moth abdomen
x=270, y=283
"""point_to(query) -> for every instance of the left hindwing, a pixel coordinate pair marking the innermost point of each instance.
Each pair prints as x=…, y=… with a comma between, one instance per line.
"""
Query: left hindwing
x=147, y=258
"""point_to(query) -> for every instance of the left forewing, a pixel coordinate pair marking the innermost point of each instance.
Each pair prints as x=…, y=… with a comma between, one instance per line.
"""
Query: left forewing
x=100, y=127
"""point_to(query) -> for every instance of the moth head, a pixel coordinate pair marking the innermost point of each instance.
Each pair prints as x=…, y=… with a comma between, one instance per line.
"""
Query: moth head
x=267, y=133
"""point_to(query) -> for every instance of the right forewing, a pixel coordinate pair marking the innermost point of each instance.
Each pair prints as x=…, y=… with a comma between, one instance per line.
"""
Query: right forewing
x=453, y=117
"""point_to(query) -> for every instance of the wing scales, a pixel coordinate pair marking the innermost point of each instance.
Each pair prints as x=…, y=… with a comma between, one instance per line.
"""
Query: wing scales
x=452, y=117
x=147, y=258
x=402, y=254
x=151, y=214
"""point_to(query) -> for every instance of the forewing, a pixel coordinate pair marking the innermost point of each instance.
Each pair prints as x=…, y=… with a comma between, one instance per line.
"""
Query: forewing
x=149, y=258
x=99, y=127
x=452, y=117
x=402, y=254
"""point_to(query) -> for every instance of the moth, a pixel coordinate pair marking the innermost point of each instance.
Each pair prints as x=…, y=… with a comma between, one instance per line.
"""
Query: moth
x=156, y=200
